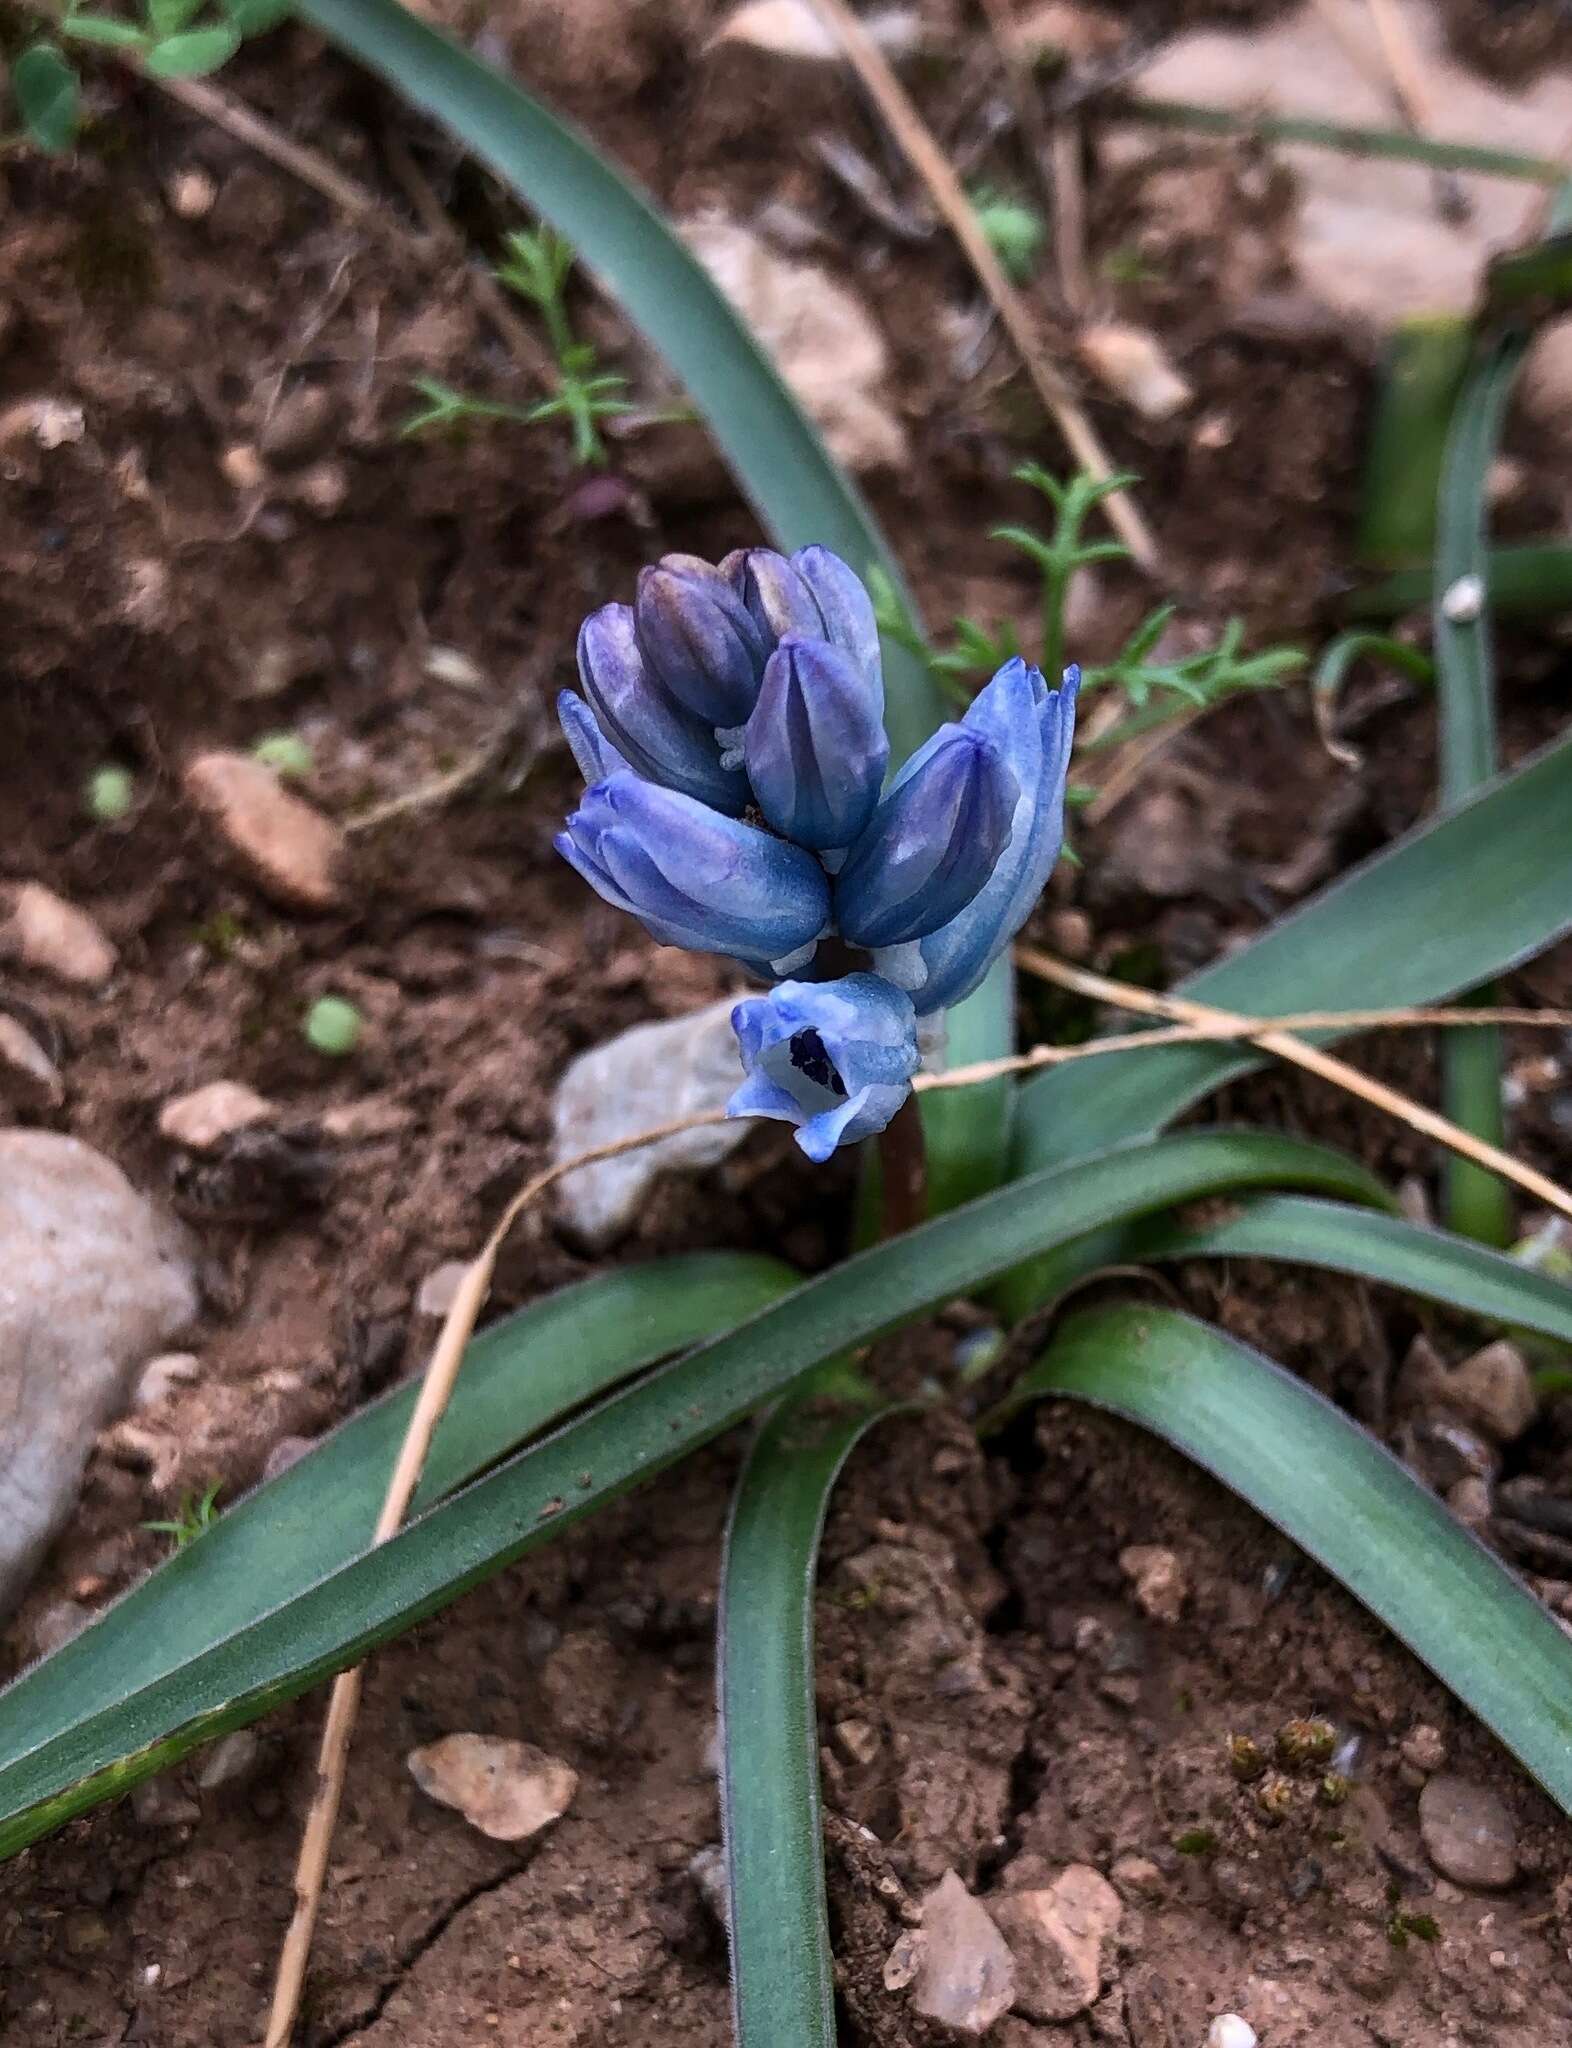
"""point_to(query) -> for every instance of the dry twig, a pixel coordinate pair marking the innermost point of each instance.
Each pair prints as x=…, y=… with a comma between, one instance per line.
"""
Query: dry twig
x=1269, y=1034
x=1054, y=150
x=930, y=163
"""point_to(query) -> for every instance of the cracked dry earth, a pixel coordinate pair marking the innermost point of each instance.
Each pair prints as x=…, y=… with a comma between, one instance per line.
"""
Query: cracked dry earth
x=993, y=1699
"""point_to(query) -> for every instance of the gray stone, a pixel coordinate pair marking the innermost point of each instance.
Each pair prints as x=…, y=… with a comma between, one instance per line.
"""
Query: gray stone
x=1468, y=1833
x=965, y=1977
x=653, y=1074
x=92, y=1280
x=1495, y=1391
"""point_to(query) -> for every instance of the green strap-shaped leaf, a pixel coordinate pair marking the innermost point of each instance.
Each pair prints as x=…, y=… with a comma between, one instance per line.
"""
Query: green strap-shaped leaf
x=518, y=1377
x=1525, y=579
x=1386, y=1249
x=1343, y=1498
x=64, y=1746
x=1388, y=933
x=48, y=96
x=782, y=1984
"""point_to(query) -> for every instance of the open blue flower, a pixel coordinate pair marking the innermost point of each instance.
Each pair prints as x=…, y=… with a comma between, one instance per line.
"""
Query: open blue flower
x=1033, y=728
x=695, y=878
x=835, y=1058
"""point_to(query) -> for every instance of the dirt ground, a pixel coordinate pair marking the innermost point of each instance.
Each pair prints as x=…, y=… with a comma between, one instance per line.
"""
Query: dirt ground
x=237, y=540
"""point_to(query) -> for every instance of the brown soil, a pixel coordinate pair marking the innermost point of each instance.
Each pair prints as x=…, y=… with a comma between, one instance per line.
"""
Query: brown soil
x=973, y=1611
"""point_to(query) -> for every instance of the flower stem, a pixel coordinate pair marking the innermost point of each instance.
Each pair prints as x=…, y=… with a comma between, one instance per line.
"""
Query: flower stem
x=903, y=1166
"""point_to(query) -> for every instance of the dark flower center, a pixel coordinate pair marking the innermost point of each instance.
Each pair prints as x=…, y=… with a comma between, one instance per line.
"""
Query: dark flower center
x=809, y=1057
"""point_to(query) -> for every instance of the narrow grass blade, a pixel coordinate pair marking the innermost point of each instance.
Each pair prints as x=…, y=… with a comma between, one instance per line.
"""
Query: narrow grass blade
x=1387, y=934
x=968, y=1129
x=782, y=1983
x=519, y=1376
x=79, y=1728
x=1524, y=580
x=1343, y=1498
x=1351, y=141
x=800, y=493
x=1425, y=363
x=1388, y=1249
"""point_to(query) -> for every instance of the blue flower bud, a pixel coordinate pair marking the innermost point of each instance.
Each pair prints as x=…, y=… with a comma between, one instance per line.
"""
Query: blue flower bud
x=593, y=754
x=1033, y=727
x=835, y=1058
x=657, y=737
x=815, y=746
x=778, y=600
x=845, y=607
x=700, y=640
x=695, y=878
x=932, y=843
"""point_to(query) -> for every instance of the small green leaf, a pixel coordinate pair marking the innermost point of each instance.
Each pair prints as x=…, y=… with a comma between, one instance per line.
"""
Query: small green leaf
x=194, y=54
x=48, y=96
x=169, y=17
x=103, y=28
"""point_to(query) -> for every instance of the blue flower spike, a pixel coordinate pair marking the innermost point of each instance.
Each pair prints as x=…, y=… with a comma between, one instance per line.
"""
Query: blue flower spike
x=815, y=748
x=835, y=1058
x=932, y=843
x=700, y=639
x=656, y=735
x=1034, y=729
x=731, y=733
x=696, y=878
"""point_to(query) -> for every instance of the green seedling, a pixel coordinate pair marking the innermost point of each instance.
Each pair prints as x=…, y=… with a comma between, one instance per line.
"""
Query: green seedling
x=286, y=753
x=110, y=794
x=1013, y=230
x=191, y=1519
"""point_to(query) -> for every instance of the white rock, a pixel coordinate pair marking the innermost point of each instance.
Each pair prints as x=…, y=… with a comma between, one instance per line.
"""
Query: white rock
x=792, y=28
x=650, y=1075
x=1228, y=2030
x=290, y=848
x=439, y=1289
x=965, y=1977
x=27, y=1073
x=43, y=931
x=1056, y=1936
x=191, y=193
x=209, y=1114
x=822, y=337
x=1157, y=1578
x=161, y=1376
x=508, y=1790
x=163, y=1802
x=92, y=1279
x=1135, y=367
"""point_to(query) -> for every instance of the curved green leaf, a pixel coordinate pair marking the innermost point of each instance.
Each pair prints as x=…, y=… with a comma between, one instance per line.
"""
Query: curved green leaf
x=1386, y=1249
x=782, y=1983
x=194, y=53
x=63, y=1749
x=1388, y=933
x=48, y=96
x=520, y=1375
x=798, y=490
x=1525, y=579
x=1343, y=1498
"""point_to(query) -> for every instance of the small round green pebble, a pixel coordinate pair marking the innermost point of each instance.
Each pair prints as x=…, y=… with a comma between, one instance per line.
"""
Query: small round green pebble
x=286, y=753
x=111, y=792
x=333, y=1026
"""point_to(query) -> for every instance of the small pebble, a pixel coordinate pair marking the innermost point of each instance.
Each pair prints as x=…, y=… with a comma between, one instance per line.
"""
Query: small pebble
x=207, y=1116
x=27, y=1074
x=1468, y=1833
x=1464, y=600
x=163, y=1803
x=965, y=1979
x=300, y=425
x=191, y=194
x=857, y=1741
x=439, y=1289
x=707, y=1868
x=1423, y=1748
x=161, y=1376
x=45, y=932
x=1157, y=1579
x=1495, y=1390
x=231, y=1758
x=293, y=852
x=1228, y=2030
x=508, y=1790
x=244, y=469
